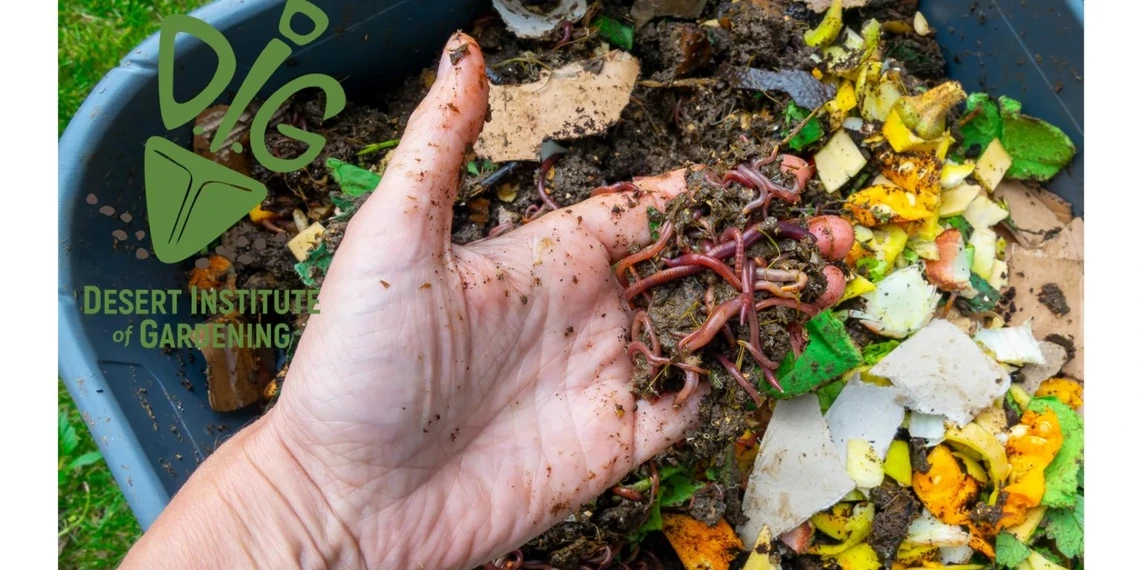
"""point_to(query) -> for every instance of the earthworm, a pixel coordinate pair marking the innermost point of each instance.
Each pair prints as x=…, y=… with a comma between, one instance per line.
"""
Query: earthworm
x=660, y=278
x=784, y=276
x=500, y=229
x=749, y=288
x=614, y=188
x=737, y=237
x=666, y=234
x=542, y=170
x=654, y=479
x=692, y=379
x=603, y=558
x=533, y=212
x=740, y=379
x=717, y=319
x=641, y=319
x=805, y=308
x=269, y=225
x=708, y=262
x=777, y=290
x=628, y=494
x=567, y=33
x=651, y=356
x=796, y=332
x=752, y=235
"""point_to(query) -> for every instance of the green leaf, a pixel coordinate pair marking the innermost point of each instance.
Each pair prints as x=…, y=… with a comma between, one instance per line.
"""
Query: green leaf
x=811, y=132
x=85, y=460
x=987, y=296
x=828, y=393
x=1067, y=528
x=316, y=265
x=910, y=255
x=1009, y=399
x=1010, y=551
x=873, y=353
x=828, y=355
x=68, y=437
x=616, y=32
x=488, y=166
x=677, y=490
x=654, y=522
x=346, y=205
x=353, y=180
x=1039, y=149
x=712, y=473
x=1061, y=474
x=959, y=223
x=874, y=268
x=473, y=168
x=653, y=214
x=985, y=126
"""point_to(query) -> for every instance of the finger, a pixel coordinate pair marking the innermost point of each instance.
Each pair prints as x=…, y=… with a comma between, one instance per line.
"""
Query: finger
x=660, y=425
x=409, y=214
x=618, y=221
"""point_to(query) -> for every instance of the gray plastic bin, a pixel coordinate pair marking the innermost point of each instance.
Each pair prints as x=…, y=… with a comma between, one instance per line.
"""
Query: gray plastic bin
x=151, y=429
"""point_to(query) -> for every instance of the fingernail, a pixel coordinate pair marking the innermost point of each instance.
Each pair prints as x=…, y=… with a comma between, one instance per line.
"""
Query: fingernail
x=445, y=65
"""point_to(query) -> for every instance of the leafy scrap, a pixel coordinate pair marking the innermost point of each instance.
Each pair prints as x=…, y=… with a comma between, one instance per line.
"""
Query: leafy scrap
x=1061, y=474
x=1010, y=551
x=1067, y=528
x=353, y=180
x=1039, y=150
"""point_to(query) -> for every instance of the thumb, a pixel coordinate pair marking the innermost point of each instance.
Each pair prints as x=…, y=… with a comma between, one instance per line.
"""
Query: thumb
x=409, y=214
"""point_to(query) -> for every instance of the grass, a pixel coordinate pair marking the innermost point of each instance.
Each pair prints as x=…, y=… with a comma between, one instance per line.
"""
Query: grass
x=96, y=528
x=95, y=34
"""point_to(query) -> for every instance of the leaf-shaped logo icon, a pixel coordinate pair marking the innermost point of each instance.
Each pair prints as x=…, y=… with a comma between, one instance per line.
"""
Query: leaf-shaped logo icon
x=192, y=200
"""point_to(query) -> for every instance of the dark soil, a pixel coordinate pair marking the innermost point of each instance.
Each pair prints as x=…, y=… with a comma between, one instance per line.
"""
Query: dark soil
x=895, y=508
x=1053, y=298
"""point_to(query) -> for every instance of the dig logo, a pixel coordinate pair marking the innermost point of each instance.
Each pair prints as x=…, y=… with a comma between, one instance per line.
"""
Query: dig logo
x=190, y=199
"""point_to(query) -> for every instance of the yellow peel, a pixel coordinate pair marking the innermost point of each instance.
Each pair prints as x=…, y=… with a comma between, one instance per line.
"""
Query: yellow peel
x=977, y=438
x=829, y=28
x=856, y=287
x=897, y=464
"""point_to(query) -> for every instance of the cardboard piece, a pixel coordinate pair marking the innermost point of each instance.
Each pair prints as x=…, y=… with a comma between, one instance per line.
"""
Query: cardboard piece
x=797, y=472
x=582, y=99
x=939, y=370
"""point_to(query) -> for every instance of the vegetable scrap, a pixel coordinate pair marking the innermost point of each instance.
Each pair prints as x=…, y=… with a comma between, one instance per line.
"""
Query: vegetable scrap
x=866, y=270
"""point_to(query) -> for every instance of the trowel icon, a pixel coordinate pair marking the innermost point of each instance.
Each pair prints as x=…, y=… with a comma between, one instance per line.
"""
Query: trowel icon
x=191, y=200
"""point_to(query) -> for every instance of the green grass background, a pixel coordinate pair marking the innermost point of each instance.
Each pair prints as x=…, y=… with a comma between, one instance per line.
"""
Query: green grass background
x=96, y=528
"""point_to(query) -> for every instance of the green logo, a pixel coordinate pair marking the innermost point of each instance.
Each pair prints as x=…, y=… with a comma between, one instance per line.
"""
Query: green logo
x=190, y=199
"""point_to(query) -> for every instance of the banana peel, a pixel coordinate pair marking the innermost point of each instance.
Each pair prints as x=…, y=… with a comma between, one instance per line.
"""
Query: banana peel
x=828, y=29
x=925, y=113
x=903, y=139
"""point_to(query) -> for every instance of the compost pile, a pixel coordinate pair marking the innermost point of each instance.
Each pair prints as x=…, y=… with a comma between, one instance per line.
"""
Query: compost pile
x=856, y=269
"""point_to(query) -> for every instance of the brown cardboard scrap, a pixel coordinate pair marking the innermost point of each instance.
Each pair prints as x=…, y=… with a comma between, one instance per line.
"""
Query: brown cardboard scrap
x=578, y=100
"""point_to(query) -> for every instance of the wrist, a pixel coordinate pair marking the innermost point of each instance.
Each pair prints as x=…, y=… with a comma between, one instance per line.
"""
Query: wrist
x=250, y=505
x=271, y=489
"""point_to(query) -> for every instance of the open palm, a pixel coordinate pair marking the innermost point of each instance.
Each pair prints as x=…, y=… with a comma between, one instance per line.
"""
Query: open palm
x=453, y=401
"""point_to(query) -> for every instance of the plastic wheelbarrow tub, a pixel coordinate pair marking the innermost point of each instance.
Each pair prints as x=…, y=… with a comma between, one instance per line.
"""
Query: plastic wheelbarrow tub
x=147, y=408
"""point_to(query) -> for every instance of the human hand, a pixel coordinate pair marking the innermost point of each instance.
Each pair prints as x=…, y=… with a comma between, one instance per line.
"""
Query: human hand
x=451, y=402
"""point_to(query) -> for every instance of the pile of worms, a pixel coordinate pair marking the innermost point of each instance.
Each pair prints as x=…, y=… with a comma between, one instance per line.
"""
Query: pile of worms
x=759, y=283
